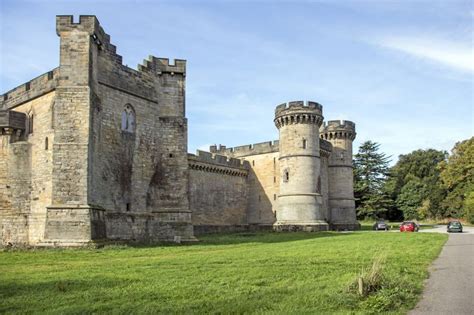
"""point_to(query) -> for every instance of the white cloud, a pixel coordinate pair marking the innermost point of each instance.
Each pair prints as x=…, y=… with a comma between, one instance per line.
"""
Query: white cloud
x=449, y=53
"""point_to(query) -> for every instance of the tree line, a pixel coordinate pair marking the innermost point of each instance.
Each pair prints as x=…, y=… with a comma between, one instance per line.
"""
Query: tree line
x=423, y=184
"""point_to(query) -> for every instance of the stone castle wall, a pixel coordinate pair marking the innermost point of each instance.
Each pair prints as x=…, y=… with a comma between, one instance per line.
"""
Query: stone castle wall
x=26, y=180
x=218, y=192
x=71, y=173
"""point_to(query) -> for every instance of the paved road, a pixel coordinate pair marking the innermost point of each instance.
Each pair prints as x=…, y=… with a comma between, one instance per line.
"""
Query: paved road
x=450, y=288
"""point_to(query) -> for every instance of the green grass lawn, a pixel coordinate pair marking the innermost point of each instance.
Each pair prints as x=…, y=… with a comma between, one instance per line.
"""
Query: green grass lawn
x=234, y=273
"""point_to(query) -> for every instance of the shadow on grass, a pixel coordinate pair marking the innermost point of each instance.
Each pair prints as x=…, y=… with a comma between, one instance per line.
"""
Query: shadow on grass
x=214, y=239
x=239, y=238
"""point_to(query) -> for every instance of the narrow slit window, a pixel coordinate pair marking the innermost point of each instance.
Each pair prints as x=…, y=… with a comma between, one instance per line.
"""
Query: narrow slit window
x=304, y=143
x=30, y=124
x=46, y=144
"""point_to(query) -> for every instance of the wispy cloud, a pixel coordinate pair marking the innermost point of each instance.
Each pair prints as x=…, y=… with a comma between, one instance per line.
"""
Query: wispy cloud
x=449, y=53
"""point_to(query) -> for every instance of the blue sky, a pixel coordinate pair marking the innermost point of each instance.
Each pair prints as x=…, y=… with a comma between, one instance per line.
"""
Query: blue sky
x=402, y=70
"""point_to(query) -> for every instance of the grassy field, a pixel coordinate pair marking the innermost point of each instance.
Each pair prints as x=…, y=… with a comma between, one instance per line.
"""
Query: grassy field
x=235, y=273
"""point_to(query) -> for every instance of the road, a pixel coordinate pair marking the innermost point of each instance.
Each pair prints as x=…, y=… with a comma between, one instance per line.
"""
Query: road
x=450, y=287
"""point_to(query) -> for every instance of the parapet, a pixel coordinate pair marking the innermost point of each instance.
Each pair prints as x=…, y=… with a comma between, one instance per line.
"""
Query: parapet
x=298, y=113
x=246, y=150
x=89, y=24
x=34, y=88
x=338, y=129
x=206, y=161
x=299, y=106
x=163, y=65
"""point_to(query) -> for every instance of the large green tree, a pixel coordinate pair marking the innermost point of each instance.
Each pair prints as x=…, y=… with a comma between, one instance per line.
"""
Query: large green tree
x=370, y=174
x=414, y=184
x=457, y=177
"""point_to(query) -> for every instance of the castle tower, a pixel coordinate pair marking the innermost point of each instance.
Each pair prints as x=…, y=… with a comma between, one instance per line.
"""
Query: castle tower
x=300, y=200
x=341, y=134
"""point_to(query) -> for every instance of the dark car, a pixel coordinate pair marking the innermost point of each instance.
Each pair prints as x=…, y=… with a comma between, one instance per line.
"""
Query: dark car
x=454, y=226
x=380, y=225
x=409, y=226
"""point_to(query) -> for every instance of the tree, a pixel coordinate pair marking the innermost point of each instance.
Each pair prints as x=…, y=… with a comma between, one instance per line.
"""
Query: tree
x=457, y=177
x=414, y=184
x=411, y=198
x=370, y=175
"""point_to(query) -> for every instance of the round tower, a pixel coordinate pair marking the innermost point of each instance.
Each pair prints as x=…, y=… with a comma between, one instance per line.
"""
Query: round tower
x=342, y=213
x=300, y=200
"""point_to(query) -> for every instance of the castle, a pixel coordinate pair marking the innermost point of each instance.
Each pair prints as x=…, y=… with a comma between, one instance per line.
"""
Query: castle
x=94, y=151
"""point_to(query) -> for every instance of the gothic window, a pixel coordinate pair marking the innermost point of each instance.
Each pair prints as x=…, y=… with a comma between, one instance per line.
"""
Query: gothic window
x=128, y=119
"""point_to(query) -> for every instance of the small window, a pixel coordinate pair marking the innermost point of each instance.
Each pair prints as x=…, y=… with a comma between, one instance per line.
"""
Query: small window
x=286, y=175
x=46, y=144
x=30, y=124
x=253, y=163
x=259, y=198
x=274, y=179
x=304, y=143
x=171, y=155
x=128, y=119
x=128, y=207
x=27, y=86
x=274, y=197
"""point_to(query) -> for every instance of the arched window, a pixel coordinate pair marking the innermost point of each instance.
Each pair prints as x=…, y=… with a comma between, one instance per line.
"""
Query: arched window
x=128, y=119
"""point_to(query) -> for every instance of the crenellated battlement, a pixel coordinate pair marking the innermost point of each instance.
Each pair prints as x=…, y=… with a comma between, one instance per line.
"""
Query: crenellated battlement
x=36, y=87
x=89, y=24
x=209, y=162
x=163, y=65
x=299, y=106
x=249, y=149
x=339, y=124
x=298, y=112
x=338, y=129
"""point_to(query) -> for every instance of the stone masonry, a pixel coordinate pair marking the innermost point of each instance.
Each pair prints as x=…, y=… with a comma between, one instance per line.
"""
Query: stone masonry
x=94, y=151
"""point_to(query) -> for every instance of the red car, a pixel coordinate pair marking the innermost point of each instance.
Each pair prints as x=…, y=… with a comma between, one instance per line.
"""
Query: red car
x=409, y=226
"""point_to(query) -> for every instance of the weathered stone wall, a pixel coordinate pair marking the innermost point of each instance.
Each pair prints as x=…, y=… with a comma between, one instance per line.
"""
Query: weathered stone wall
x=217, y=191
x=139, y=176
x=27, y=162
x=41, y=141
x=340, y=171
x=14, y=198
x=264, y=187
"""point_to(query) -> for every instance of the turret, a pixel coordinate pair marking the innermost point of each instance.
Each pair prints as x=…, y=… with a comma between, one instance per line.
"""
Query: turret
x=300, y=200
x=341, y=134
